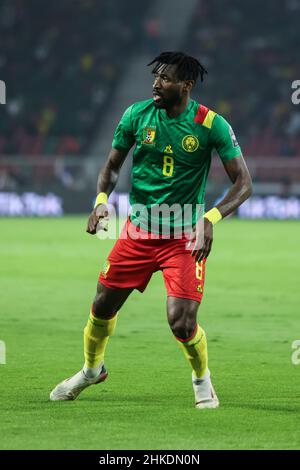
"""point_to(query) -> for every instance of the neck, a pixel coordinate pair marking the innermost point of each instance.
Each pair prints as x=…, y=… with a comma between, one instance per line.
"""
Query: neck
x=178, y=108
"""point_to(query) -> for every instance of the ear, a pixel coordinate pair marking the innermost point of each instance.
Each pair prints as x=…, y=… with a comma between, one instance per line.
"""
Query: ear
x=188, y=85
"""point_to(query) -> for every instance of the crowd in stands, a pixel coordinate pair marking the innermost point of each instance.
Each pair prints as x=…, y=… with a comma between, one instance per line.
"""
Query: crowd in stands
x=60, y=62
x=251, y=51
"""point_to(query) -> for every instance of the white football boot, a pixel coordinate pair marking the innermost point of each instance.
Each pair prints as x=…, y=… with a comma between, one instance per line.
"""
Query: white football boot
x=205, y=395
x=70, y=388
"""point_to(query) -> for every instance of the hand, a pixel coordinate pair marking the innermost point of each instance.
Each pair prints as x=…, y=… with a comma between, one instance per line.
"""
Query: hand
x=98, y=219
x=202, y=239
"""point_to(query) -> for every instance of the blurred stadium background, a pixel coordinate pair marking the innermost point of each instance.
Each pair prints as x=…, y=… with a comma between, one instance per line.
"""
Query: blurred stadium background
x=71, y=68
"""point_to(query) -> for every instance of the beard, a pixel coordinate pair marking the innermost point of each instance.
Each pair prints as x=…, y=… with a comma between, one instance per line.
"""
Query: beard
x=162, y=102
x=159, y=103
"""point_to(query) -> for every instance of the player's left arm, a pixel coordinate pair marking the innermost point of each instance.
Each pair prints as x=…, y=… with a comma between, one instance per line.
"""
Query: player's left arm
x=241, y=189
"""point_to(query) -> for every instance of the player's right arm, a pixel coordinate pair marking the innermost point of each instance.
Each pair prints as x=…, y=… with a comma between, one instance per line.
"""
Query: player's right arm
x=107, y=181
x=123, y=141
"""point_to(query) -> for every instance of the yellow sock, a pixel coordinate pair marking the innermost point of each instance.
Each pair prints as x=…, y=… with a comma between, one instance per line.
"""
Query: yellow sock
x=96, y=336
x=195, y=350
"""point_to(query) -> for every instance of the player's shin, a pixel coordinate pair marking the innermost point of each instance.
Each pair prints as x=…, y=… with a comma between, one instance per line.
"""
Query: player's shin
x=96, y=336
x=195, y=351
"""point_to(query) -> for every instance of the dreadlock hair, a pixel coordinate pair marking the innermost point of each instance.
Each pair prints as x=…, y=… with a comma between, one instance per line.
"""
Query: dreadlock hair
x=188, y=68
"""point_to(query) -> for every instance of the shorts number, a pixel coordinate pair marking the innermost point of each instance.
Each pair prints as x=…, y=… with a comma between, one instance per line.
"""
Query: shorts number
x=199, y=270
x=168, y=167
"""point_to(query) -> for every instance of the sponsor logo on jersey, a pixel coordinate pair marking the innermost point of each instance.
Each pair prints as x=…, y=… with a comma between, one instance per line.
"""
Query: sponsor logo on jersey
x=149, y=135
x=233, y=138
x=168, y=149
x=190, y=143
x=105, y=269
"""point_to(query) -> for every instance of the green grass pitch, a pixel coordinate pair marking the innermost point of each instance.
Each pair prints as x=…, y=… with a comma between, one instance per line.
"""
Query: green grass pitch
x=250, y=312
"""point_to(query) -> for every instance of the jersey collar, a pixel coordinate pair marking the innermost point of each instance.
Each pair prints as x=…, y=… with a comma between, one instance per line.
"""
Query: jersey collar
x=180, y=117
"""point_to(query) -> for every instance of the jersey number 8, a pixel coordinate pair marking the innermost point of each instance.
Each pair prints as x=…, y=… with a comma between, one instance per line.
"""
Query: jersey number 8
x=168, y=167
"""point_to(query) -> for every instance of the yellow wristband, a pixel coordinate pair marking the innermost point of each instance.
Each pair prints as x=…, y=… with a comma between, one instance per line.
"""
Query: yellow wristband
x=214, y=215
x=101, y=199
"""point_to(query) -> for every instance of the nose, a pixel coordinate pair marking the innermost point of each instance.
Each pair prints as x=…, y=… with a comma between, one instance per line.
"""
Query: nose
x=156, y=83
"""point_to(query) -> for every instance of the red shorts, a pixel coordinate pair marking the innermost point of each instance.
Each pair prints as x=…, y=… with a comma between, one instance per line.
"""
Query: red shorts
x=132, y=262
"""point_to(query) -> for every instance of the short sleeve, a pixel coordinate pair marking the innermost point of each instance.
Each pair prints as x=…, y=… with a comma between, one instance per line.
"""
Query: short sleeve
x=223, y=139
x=124, y=135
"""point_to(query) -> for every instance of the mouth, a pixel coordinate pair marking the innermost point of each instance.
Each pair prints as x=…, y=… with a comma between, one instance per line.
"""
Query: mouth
x=156, y=96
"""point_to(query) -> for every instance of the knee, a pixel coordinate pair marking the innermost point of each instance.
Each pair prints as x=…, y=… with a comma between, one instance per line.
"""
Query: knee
x=182, y=321
x=102, y=307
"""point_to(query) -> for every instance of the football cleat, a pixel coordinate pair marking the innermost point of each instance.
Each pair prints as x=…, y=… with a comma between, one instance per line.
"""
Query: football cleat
x=205, y=395
x=70, y=388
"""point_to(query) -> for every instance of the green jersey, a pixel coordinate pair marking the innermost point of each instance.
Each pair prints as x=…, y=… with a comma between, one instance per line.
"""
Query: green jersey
x=172, y=156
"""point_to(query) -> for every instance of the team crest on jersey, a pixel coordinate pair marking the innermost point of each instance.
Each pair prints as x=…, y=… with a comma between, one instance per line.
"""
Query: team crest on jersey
x=105, y=269
x=190, y=143
x=149, y=135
